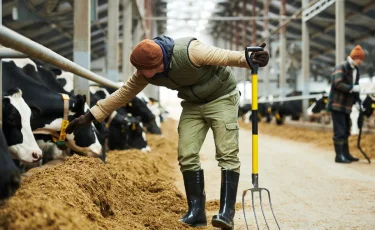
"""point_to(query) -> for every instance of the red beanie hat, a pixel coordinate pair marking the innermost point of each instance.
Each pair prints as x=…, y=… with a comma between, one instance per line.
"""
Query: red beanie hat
x=146, y=55
x=357, y=53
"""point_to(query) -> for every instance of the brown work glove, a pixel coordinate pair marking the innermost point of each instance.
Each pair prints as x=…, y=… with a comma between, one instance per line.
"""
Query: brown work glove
x=260, y=58
x=81, y=121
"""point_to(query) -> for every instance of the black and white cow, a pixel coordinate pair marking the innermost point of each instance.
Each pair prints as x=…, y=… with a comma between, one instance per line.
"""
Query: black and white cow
x=318, y=111
x=124, y=130
x=290, y=108
x=138, y=107
x=48, y=74
x=51, y=105
x=264, y=111
x=10, y=179
x=17, y=128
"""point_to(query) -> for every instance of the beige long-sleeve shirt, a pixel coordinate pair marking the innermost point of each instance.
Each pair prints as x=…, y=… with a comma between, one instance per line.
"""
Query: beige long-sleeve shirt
x=199, y=53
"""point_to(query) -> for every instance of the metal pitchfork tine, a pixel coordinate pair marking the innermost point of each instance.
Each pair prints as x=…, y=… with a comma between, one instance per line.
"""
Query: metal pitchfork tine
x=255, y=176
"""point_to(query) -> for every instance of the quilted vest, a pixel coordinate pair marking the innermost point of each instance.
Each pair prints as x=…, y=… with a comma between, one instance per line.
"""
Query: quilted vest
x=194, y=84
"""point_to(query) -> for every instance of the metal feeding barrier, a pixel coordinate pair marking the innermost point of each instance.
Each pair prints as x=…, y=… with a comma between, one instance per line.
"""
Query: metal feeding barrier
x=20, y=43
x=255, y=174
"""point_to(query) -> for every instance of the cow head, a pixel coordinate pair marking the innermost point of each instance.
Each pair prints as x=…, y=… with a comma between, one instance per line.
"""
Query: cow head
x=16, y=126
x=118, y=131
x=84, y=140
x=138, y=107
x=320, y=104
x=136, y=135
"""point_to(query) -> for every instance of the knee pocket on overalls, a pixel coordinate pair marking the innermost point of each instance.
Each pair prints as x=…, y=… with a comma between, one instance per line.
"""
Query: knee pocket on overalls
x=232, y=134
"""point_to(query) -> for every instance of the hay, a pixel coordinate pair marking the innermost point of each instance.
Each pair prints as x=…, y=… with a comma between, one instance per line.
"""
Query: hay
x=133, y=190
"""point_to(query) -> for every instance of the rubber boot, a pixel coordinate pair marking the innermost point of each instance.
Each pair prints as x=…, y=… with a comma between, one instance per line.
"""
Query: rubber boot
x=339, y=149
x=229, y=184
x=196, y=197
x=346, y=152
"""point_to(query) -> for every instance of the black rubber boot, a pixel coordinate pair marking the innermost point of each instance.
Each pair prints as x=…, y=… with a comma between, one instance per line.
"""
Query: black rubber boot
x=229, y=184
x=196, y=197
x=346, y=152
x=339, y=149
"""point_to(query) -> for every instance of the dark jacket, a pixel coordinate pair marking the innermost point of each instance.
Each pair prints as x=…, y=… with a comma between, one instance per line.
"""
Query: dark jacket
x=340, y=99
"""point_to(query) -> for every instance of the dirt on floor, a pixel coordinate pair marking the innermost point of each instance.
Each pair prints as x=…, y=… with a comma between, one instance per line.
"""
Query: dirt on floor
x=133, y=190
x=321, y=138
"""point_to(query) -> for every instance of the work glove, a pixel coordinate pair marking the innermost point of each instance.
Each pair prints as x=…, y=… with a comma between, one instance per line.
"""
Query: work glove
x=356, y=88
x=260, y=58
x=83, y=120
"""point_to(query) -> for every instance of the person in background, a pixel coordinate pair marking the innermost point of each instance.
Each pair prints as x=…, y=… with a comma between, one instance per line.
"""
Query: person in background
x=204, y=80
x=344, y=94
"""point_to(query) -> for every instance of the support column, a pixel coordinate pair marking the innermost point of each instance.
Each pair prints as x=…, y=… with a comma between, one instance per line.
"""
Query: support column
x=244, y=71
x=305, y=62
x=1, y=70
x=112, y=40
x=253, y=25
x=266, y=69
x=127, y=39
x=82, y=44
x=282, y=79
x=340, y=31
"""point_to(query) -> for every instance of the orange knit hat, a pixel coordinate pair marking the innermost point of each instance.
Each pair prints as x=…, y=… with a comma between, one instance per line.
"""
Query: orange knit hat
x=146, y=55
x=357, y=53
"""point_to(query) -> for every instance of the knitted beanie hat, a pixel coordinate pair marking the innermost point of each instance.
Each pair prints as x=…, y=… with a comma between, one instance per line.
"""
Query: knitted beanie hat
x=357, y=53
x=146, y=55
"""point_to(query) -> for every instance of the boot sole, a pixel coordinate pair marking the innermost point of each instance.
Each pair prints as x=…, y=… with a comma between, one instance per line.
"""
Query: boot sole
x=195, y=225
x=343, y=162
x=199, y=225
x=217, y=223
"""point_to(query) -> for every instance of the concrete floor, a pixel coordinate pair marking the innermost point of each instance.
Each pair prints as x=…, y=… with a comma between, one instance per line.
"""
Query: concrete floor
x=308, y=190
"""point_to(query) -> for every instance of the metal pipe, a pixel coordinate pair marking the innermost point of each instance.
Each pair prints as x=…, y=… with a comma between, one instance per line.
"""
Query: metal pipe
x=296, y=98
x=20, y=43
x=223, y=18
x=11, y=53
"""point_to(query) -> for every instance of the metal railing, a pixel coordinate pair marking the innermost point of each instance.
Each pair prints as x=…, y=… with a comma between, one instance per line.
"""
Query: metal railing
x=296, y=98
x=16, y=41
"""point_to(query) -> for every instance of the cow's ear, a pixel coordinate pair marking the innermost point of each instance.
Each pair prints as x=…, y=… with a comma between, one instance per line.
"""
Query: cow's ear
x=35, y=112
x=56, y=71
x=61, y=81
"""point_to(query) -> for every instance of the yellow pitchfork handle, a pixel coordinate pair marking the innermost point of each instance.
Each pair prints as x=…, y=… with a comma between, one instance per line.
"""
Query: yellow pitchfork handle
x=254, y=115
x=254, y=112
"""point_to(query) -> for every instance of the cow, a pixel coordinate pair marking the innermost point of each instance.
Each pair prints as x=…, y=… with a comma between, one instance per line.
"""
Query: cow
x=17, y=129
x=163, y=112
x=124, y=130
x=137, y=107
x=368, y=106
x=10, y=179
x=318, y=111
x=51, y=104
x=290, y=108
x=264, y=110
x=47, y=75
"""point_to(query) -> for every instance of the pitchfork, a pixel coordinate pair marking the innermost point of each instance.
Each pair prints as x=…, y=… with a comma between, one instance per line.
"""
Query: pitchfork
x=254, y=105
